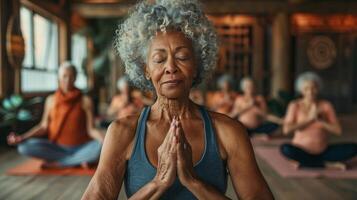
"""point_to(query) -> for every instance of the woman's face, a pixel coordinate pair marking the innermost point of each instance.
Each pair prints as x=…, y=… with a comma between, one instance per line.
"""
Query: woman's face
x=309, y=90
x=248, y=87
x=171, y=64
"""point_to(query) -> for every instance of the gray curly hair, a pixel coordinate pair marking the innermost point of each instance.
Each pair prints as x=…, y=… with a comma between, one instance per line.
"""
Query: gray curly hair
x=307, y=76
x=146, y=19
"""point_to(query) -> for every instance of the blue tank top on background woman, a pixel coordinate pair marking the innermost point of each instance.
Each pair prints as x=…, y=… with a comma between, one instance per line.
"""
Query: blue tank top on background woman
x=210, y=169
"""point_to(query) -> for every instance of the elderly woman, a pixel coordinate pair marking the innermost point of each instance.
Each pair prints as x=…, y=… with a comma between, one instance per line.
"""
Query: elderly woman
x=223, y=100
x=127, y=102
x=251, y=110
x=311, y=119
x=175, y=149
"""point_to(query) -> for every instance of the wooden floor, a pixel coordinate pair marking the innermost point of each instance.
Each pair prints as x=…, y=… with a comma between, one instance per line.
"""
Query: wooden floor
x=72, y=187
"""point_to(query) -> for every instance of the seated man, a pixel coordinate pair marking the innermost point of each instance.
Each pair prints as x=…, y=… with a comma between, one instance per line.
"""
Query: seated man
x=251, y=110
x=68, y=122
x=311, y=119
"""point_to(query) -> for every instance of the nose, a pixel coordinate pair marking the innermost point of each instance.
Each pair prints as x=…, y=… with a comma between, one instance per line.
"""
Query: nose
x=170, y=67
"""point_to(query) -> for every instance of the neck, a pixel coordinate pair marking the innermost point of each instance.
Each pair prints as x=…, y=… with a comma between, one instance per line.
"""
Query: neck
x=308, y=101
x=249, y=95
x=166, y=108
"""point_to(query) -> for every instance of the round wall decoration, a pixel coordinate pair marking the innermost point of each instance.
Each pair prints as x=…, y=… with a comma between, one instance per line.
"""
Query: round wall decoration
x=321, y=52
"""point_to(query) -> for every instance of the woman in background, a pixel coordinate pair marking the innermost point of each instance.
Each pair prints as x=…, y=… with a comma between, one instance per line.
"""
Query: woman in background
x=311, y=120
x=251, y=110
x=222, y=101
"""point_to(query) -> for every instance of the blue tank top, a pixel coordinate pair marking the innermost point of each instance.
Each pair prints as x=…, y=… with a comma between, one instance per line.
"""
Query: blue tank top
x=210, y=169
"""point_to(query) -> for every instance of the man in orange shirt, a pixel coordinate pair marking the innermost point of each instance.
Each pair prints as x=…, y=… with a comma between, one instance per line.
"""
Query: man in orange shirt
x=68, y=122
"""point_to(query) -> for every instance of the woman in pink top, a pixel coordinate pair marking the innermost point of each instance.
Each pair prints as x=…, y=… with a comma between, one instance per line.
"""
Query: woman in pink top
x=311, y=119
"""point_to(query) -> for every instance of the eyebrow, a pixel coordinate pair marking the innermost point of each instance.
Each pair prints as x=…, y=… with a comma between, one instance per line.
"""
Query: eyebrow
x=176, y=49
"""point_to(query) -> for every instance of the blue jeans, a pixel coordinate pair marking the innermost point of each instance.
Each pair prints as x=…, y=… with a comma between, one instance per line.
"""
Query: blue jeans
x=66, y=156
x=334, y=152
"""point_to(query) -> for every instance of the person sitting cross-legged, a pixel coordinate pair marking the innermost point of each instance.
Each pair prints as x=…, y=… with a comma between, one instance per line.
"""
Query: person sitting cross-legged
x=68, y=123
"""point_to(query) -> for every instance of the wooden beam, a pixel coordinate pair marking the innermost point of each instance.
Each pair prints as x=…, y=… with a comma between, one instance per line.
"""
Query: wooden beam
x=46, y=9
x=102, y=10
x=6, y=71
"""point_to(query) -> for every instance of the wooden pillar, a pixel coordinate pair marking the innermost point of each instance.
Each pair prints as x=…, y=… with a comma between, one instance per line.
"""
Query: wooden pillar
x=258, y=56
x=6, y=71
x=281, y=55
x=65, y=34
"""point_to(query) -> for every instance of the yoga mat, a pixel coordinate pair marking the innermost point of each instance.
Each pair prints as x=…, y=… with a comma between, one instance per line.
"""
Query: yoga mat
x=284, y=168
x=257, y=140
x=33, y=167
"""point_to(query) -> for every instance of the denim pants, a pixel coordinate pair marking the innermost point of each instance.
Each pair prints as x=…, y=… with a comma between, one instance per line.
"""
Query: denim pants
x=66, y=156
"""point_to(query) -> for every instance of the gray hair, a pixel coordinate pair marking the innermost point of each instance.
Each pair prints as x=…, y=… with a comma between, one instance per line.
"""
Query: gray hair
x=223, y=79
x=67, y=65
x=122, y=81
x=244, y=80
x=146, y=19
x=307, y=76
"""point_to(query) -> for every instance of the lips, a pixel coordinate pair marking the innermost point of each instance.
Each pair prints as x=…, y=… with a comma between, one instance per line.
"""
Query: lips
x=172, y=82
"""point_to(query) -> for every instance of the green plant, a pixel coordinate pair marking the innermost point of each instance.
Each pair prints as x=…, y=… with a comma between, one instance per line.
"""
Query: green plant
x=16, y=109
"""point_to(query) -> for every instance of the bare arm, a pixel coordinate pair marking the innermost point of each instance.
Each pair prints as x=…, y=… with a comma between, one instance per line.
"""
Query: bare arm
x=290, y=122
x=238, y=110
x=247, y=179
x=106, y=182
x=92, y=131
x=108, y=178
x=331, y=123
x=38, y=130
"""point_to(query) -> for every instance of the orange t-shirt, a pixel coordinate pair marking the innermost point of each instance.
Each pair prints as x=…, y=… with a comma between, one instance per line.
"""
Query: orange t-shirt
x=67, y=125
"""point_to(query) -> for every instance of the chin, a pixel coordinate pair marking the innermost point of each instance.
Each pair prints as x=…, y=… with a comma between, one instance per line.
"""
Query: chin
x=173, y=94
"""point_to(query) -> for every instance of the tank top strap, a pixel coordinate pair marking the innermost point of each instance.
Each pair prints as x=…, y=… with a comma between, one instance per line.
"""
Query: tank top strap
x=140, y=133
x=211, y=141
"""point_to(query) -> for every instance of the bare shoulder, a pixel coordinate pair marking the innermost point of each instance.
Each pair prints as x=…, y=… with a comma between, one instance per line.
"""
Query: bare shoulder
x=294, y=103
x=49, y=102
x=260, y=98
x=230, y=133
x=86, y=100
x=326, y=105
x=50, y=99
x=121, y=134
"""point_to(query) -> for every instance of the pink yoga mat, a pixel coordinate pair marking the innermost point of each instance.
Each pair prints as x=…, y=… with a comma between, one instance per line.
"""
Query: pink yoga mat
x=284, y=168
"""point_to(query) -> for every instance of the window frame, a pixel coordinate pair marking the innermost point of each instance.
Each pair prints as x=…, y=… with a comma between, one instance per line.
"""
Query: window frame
x=35, y=11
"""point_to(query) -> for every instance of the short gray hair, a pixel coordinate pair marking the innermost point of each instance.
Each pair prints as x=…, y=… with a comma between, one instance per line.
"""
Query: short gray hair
x=122, y=81
x=67, y=65
x=146, y=19
x=245, y=79
x=223, y=79
x=307, y=76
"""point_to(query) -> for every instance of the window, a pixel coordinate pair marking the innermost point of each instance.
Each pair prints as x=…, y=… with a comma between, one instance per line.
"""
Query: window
x=79, y=55
x=41, y=52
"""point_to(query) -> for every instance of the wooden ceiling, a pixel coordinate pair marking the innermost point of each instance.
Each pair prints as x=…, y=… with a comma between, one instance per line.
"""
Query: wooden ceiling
x=118, y=8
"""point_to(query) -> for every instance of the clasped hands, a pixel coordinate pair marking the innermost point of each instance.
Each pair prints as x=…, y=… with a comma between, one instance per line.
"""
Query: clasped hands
x=174, y=158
